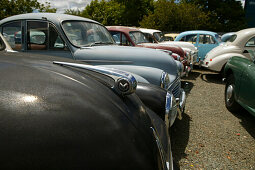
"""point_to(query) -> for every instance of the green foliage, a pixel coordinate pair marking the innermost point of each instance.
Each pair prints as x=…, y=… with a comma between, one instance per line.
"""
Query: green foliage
x=134, y=10
x=171, y=16
x=47, y=8
x=107, y=13
x=116, y=12
x=14, y=7
x=225, y=15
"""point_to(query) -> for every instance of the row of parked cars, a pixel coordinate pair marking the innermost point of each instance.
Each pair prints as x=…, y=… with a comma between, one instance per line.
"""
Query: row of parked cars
x=71, y=97
x=233, y=57
x=75, y=92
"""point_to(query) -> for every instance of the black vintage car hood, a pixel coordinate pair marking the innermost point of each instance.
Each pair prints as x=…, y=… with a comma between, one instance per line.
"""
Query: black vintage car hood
x=113, y=54
x=58, y=118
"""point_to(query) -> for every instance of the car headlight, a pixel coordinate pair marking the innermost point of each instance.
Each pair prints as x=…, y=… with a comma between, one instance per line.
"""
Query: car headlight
x=170, y=109
x=165, y=80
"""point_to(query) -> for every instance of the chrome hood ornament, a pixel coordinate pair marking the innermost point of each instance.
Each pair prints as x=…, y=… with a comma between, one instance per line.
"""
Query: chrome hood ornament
x=124, y=83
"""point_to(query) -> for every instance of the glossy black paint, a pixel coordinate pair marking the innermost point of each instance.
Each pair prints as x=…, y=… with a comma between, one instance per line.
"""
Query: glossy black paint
x=53, y=117
x=153, y=97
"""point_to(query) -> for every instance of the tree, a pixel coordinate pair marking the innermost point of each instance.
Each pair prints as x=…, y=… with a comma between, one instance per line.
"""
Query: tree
x=225, y=15
x=14, y=7
x=171, y=16
x=135, y=10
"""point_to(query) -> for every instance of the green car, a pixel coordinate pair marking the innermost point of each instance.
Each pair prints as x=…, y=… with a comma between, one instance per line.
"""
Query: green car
x=240, y=84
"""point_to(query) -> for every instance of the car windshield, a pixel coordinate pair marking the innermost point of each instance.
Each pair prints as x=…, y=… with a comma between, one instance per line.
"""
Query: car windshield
x=83, y=34
x=159, y=36
x=138, y=37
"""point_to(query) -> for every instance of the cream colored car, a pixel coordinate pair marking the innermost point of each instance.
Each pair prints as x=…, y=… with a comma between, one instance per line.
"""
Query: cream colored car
x=237, y=45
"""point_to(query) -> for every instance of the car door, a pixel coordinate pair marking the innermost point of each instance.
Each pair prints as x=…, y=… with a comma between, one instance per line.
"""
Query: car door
x=42, y=37
x=12, y=33
x=205, y=44
x=247, y=86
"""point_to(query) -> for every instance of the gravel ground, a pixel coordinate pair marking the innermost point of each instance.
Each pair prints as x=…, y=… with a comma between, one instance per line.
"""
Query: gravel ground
x=209, y=136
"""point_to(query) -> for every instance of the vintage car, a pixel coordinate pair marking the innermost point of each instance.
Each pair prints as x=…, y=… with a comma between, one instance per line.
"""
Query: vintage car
x=170, y=36
x=240, y=82
x=205, y=41
x=237, y=45
x=156, y=36
x=56, y=114
x=131, y=36
x=89, y=41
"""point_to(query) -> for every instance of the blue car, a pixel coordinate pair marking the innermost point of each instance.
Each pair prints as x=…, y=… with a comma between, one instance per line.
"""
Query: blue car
x=205, y=41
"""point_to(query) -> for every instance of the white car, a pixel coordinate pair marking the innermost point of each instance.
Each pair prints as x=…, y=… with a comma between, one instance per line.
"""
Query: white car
x=238, y=45
x=157, y=36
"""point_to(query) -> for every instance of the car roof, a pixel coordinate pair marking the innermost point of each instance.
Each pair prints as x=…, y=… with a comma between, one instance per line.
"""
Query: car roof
x=146, y=30
x=54, y=17
x=122, y=28
x=198, y=32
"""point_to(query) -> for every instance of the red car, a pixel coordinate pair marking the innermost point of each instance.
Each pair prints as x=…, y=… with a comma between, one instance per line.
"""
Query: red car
x=130, y=36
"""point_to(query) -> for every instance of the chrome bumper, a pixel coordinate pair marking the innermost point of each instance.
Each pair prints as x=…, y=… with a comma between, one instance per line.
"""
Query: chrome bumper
x=181, y=103
x=176, y=107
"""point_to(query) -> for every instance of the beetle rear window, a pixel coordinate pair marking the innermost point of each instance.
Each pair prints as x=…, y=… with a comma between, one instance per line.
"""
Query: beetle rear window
x=232, y=38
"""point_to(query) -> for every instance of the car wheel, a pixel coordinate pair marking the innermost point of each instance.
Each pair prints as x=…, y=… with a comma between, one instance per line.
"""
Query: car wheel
x=230, y=101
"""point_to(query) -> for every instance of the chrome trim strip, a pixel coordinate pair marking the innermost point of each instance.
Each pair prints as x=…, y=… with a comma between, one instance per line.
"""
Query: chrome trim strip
x=125, y=83
x=164, y=161
x=165, y=81
x=106, y=61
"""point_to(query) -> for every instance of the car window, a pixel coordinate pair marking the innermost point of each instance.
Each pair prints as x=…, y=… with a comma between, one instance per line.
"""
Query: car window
x=192, y=38
x=250, y=43
x=124, y=40
x=55, y=40
x=206, y=39
x=2, y=45
x=232, y=38
x=12, y=34
x=159, y=36
x=81, y=33
x=116, y=36
x=138, y=37
x=149, y=37
x=37, y=35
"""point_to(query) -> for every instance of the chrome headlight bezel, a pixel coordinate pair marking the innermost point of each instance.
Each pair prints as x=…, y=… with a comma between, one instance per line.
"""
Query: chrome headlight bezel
x=165, y=80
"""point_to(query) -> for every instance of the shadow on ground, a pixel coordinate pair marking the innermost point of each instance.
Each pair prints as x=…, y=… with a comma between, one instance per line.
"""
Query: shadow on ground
x=187, y=86
x=212, y=78
x=247, y=121
x=180, y=137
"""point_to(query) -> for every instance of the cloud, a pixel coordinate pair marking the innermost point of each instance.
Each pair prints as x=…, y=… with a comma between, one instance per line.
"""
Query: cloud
x=62, y=5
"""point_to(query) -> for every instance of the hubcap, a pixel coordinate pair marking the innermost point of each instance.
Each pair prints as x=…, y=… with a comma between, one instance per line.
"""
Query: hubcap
x=229, y=94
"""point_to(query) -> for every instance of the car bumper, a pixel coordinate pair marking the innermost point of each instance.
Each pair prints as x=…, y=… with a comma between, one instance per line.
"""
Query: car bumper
x=177, y=108
x=181, y=103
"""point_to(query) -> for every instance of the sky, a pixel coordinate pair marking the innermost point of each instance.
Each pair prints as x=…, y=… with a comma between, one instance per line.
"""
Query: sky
x=61, y=5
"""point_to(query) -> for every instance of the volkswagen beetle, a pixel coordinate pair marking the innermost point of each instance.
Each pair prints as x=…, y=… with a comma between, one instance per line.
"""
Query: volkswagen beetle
x=64, y=115
x=237, y=45
x=88, y=41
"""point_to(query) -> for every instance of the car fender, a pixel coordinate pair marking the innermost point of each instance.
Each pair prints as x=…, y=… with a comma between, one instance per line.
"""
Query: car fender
x=217, y=63
x=143, y=74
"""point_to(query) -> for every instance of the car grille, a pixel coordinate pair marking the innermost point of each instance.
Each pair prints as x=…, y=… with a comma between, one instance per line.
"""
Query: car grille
x=175, y=87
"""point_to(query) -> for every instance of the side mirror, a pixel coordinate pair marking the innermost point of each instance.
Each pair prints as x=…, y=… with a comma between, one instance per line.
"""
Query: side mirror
x=245, y=51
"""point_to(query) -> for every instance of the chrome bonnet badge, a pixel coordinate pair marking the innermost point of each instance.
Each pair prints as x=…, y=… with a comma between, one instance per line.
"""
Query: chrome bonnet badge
x=125, y=83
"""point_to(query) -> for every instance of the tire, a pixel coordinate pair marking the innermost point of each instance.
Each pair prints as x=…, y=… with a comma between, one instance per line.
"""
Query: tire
x=230, y=101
